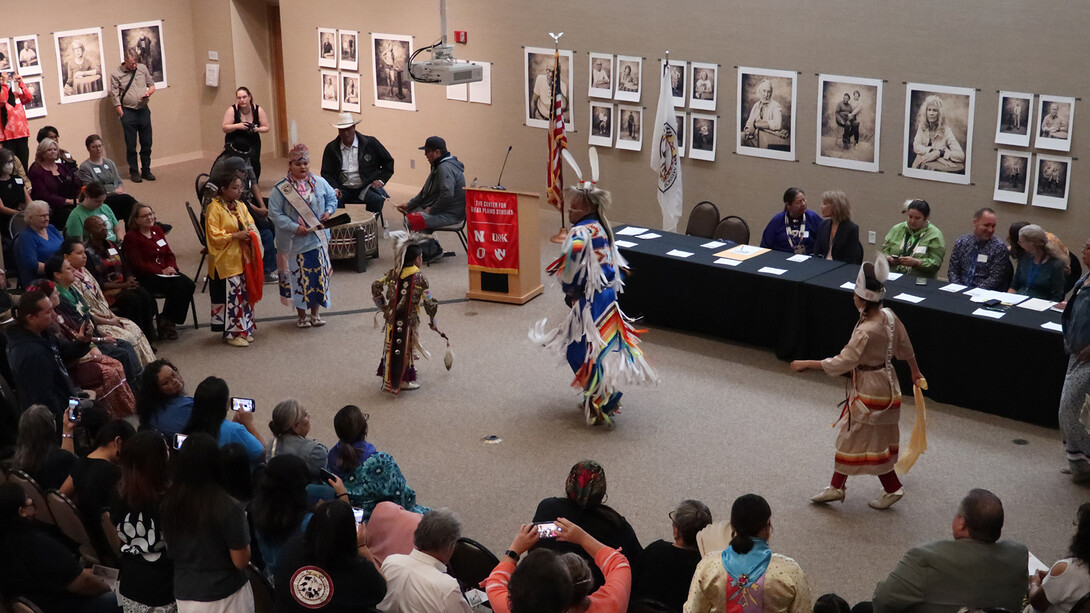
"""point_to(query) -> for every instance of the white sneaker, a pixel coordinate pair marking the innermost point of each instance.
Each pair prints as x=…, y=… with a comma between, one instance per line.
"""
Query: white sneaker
x=410, y=385
x=829, y=494
x=887, y=499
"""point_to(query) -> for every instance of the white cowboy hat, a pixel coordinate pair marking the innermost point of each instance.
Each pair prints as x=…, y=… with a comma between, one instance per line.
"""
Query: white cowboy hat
x=344, y=120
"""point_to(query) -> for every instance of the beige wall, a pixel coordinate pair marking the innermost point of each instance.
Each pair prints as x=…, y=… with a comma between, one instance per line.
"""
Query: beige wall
x=253, y=67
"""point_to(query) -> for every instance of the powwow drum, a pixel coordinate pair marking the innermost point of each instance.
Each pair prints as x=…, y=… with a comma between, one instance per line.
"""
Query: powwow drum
x=355, y=240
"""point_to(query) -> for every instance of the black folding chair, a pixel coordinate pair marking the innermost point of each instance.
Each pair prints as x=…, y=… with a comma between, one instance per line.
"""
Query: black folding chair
x=471, y=563
x=199, y=230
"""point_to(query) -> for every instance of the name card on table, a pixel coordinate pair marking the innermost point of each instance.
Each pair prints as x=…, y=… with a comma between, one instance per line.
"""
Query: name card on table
x=625, y=244
x=728, y=262
x=848, y=285
x=771, y=271
x=988, y=313
x=631, y=231
x=649, y=235
x=1051, y=325
x=953, y=288
x=893, y=276
x=678, y=253
x=713, y=245
x=798, y=257
x=908, y=298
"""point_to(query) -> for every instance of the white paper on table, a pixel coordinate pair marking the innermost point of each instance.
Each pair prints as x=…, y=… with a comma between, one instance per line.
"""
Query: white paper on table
x=481, y=91
x=953, y=288
x=649, y=235
x=620, y=243
x=908, y=298
x=984, y=295
x=893, y=276
x=1051, y=325
x=728, y=261
x=713, y=245
x=1035, y=564
x=746, y=249
x=1036, y=304
x=848, y=285
x=988, y=313
x=631, y=231
x=679, y=253
x=772, y=271
x=798, y=257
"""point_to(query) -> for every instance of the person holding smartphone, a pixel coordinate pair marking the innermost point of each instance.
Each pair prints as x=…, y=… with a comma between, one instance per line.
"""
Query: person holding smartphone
x=916, y=246
x=211, y=402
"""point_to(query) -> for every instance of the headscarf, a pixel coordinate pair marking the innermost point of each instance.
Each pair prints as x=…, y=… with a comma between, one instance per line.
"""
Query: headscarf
x=299, y=152
x=586, y=484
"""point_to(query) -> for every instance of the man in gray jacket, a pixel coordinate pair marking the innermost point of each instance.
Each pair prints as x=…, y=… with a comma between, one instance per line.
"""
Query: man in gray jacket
x=974, y=570
x=442, y=200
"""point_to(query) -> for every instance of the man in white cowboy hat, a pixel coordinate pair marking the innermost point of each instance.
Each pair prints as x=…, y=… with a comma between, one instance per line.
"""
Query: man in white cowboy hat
x=357, y=166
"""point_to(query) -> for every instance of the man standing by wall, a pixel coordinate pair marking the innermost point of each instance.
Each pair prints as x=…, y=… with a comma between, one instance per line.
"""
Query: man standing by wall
x=131, y=86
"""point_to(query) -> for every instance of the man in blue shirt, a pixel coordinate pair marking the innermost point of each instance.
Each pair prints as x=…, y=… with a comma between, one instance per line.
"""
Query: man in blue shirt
x=980, y=259
x=795, y=229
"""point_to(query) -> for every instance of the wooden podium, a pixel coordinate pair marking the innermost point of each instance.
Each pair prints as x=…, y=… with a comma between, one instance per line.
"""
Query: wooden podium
x=509, y=285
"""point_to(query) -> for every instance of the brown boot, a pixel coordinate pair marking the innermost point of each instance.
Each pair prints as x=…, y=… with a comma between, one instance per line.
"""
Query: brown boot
x=167, y=330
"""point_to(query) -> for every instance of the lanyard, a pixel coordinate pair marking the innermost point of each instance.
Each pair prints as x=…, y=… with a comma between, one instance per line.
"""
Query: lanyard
x=907, y=248
x=800, y=247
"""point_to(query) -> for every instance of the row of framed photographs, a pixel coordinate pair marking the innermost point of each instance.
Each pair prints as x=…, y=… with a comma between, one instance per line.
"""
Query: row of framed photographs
x=620, y=78
x=390, y=53
x=621, y=126
x=81, y=60
x=1055, y=121
x=1051, y=181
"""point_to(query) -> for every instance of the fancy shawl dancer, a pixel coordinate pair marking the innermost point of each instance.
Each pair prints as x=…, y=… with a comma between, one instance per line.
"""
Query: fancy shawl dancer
x=869, y=434
x=399, y=294
x=596, y=338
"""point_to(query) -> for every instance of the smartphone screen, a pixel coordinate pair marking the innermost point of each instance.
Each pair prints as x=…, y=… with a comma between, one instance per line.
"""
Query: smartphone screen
x=547, y=530
x=179, y=439
x=359, y=515
x=242, y=404
x=73, y=410
x=327, y=475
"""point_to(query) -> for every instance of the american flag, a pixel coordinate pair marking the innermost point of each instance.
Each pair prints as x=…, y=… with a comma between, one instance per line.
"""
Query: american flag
x=557, y=141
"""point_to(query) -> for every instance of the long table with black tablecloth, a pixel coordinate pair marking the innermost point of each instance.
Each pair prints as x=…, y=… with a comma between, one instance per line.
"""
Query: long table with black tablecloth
x=1009, y=366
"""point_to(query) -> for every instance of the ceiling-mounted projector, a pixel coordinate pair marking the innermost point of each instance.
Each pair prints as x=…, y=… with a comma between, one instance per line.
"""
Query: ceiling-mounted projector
x=442, y=68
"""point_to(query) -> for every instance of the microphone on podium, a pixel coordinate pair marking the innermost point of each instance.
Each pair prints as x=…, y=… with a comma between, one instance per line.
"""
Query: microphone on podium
x=498, y=179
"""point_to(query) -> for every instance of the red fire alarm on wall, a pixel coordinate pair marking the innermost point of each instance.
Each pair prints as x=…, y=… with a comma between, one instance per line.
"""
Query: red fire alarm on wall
x=460, y=36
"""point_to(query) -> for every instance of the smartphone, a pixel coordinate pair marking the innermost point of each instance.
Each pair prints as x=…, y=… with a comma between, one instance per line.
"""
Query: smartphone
x=242, y=404
x=179, y=439
x=327, y=475
x=359, y=515
x=547, y=529
x=73, y=410
x=992, y=303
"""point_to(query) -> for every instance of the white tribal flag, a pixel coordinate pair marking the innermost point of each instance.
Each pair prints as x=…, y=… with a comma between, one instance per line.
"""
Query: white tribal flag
x=665, y=159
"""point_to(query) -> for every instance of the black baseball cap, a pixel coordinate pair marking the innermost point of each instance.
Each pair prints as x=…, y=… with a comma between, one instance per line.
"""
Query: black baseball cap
x=436, y=143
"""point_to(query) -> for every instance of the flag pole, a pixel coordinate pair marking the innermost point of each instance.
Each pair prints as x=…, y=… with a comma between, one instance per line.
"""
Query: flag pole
x=562, y=233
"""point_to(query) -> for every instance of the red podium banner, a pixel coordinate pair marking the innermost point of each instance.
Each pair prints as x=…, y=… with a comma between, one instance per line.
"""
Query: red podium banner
x=492, y=227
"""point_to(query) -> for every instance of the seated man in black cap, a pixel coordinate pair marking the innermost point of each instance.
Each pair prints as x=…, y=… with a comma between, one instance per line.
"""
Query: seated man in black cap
x=236, y=156
x=357, y=166
x=442, y=200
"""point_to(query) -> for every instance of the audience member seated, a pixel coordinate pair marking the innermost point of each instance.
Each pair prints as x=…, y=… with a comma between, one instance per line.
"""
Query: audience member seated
x=777, y=579
x=369, y=478
x=146, y=579
x=1059, y=588
x=92, y=202
x=831, y=603
x=97, y=168
x=207, y=533
x=838, y=236
x=63, y=156
x=357, y=166
x=390, y=530
x=442, y=200
x=94, y=476
x=139, y=331
x=238, y=476
x=209, y=415
x=974, y=570
x=36, y=450
x=53, y=182
x=36, y=243
x=1040, y=270
x=795, y=230
x=332, y=553
x=509, y=590
x=36, y=566
x=279, y=509
x=418, y=582
x=150, y=258
x=80, y=288
x=585, y=491
x=666, y=568
x=123, y=292
x=290, y=426
x=161, y=402
x=979, y=259
x=915, y=247
x=14, y=196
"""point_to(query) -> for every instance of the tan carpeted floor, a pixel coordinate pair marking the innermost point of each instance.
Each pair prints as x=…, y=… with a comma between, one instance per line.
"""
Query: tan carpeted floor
x=725, y=420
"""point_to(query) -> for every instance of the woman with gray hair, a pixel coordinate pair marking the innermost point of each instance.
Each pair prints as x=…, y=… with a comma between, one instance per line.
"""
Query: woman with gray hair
x=667, y=567
x=36, y=243
x=53, y=181
x=290, y=426
x=1040, y=270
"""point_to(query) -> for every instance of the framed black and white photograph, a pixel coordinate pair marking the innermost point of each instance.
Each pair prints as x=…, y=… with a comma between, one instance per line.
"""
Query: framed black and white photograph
x=678, y=87
x=1056, y=123
x=601, y=124
x=331, y=90
x=1052, y=183
x=348, y=45
x=538, y=78
x=702, y=136
x=938, y=132
x=704, y=86
x=1015, y=119
x=36, y=106
x=629, y=127
x=765, y=119
x=1012, y=176
x=600, y=84
x=350, y=92
x=80, y=65
x=849, y=122
x=327, y=47
x=682, y=130
x=146, y=37
x=28, y=55
x=629, y=78
x=394, y=89
x=7, y=58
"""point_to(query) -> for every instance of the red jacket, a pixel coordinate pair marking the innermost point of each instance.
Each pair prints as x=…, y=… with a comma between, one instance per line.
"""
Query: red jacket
x=146, y=256
x=16, y=126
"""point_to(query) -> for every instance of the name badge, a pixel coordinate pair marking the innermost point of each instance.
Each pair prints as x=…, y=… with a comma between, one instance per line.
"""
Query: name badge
x=162, y=242
x=919, y=250
x=18, y=181
x=97, y=170
x=983, y=259
x=806, y=234
x=112, y=252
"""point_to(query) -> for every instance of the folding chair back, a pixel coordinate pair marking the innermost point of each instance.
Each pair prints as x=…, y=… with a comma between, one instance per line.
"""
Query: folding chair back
x=198, y=228
x=17, y=223
x=264, y=597
x=68, y=519
x=733, y=228
x=33, y=492
x=471, y=563
x=703, y=220
x=22, y=605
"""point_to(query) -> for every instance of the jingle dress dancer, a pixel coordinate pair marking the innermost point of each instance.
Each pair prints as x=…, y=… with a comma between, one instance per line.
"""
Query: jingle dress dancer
x=596, y=338
x=399, y=294
x=869, y=434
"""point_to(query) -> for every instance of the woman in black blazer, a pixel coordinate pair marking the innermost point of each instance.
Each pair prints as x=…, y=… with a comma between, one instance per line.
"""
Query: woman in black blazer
x=838, y=229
